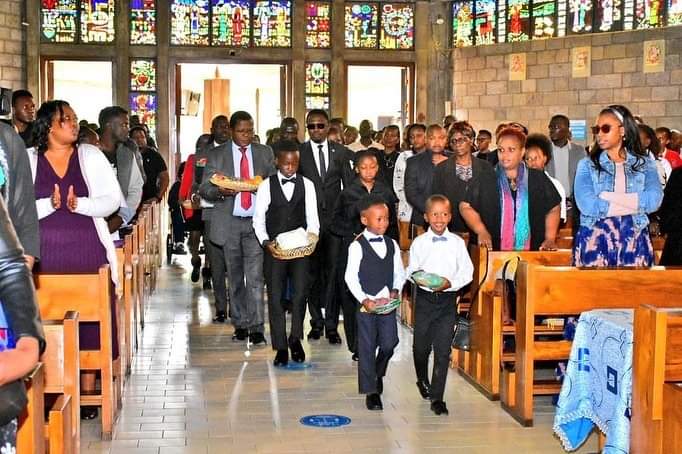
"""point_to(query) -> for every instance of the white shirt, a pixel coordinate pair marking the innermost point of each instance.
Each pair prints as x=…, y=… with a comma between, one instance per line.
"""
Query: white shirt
x=560, y=156
x=263, y=203
x=238, y=211
x=404, y=208
x=358, y=146
x=352, y=277
x=562, y=192
x=316, y=155
x=448, y=259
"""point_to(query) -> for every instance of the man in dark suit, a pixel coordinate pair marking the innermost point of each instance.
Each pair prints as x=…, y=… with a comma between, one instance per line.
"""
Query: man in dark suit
x=328, y=165
x=231, y=224
x=419, y=172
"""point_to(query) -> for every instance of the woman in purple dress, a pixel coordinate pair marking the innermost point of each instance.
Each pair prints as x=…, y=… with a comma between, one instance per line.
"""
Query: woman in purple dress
x=75, y=189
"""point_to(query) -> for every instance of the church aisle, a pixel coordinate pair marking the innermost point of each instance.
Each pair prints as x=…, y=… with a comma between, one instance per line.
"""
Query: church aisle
x=193, y=390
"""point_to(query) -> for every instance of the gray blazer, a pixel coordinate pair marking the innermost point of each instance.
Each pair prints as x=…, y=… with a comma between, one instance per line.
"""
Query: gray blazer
x=220, y=161
x=575, y=154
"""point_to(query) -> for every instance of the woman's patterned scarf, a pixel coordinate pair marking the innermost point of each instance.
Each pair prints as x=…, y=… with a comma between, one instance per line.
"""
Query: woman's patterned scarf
x=515, y=225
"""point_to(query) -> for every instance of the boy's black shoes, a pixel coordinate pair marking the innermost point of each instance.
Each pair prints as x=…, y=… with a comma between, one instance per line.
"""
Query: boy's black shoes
x=439, y=408
x=355, y=357
x=333, y=337
x=240, y=334
x=257, y=338
x=220, y=317
x=281, y=358
x=373, y=402
x=424, y=389
x=315, y=334
x=297, y=352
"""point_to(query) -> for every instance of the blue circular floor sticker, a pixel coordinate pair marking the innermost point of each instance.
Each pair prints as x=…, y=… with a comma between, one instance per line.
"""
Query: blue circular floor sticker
x=291, y=365
x=325, y=420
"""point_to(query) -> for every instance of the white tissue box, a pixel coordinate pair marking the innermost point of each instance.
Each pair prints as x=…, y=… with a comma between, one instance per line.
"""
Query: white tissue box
x=292, y=239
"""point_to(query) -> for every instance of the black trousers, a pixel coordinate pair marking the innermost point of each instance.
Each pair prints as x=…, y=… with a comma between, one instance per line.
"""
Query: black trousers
x=375, y=331
x=216, y=258
x=349, y=304
x=434, y=322
x=323, y=265
x=276, y=274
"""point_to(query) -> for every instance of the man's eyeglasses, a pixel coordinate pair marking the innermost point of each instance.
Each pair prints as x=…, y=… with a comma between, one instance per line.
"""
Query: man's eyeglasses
x=606, y=128
x=316, y=125
x=459, y=141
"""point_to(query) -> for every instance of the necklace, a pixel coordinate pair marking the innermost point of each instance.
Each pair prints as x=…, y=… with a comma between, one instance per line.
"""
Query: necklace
x=512, y=183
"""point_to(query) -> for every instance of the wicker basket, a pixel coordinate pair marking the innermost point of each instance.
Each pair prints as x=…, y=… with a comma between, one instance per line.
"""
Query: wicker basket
x=236, y=184
x=296, y=253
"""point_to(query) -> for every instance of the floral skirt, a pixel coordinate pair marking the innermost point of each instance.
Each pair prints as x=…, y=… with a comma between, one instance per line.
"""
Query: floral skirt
x=8, y=438
x=613, y=241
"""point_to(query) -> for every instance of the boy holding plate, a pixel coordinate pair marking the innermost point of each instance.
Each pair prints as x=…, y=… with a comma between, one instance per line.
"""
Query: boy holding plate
x=439, y=265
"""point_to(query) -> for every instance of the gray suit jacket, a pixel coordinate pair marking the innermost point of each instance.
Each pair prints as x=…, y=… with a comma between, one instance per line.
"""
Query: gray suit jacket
x=220, y=161
x=575, y=154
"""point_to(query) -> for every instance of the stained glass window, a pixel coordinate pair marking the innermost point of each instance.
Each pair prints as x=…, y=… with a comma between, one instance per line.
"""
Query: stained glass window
x=579, y=16
x=231, y=24
x=144, y=106
x=189, y=22
x=501, y=21
x=97, y=21
x=143, y=75
x=318, y=16
x=142, y=22
x=561, y=17
x=463, y=24
x=397, y=26
x=317, y=86
x=58, y=20
x=674, y=12
x=484, y=21
x=361, y=25
x=649, y=14
x=608, y=15
x=272, y=23
x=544, y=19
x=518, y=20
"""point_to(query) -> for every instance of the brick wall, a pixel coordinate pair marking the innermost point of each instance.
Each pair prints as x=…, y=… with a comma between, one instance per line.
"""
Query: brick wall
x=484, y=95
x=12, y=62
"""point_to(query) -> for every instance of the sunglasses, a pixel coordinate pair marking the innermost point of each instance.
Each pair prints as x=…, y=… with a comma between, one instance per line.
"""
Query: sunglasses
x=316, y=125
x=605, y=129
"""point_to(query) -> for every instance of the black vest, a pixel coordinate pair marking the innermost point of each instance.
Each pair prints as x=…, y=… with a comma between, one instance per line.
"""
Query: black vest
x=284, y=215
x=375, y=273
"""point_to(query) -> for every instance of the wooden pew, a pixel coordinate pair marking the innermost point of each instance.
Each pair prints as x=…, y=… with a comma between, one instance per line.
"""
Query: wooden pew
x=121, y=365
x=129, y=300
x=480, y=366
x=30, y=436
x=558, y=291
x=656, y=425
x=62, y=376
x=140, y=248
x=90, y=294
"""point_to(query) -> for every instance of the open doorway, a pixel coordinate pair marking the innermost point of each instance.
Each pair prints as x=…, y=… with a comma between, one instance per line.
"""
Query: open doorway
x=381, y=94
x=207, y=90
x=85, y=85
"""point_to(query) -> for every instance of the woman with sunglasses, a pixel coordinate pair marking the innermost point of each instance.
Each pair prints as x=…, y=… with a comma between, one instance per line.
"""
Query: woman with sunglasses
x=615, y=188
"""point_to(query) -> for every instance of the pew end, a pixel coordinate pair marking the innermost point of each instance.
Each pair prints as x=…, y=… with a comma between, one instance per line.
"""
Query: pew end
x=30, y=433
x=59, y=430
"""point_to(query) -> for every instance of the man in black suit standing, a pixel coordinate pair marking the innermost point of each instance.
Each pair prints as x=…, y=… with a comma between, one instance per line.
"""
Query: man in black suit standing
x=328, y=165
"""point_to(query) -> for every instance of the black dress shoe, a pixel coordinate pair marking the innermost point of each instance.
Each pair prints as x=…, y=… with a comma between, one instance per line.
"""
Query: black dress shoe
x=220, y=317
x=257, y=338
x=207, y=283
x=439, y=408
x=380, y=385
x=88, y=413
x=196, y=271
x=373, y=402
x=297, y=352
x=240, y=334
x=424, y=389
x=315, y=334
x=281, y=358
x=355, y=357
x=333, y=337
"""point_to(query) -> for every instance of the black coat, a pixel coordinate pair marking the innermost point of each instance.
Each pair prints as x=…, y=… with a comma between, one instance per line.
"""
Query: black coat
x=346, y=220
x=418, y=180
x=670, y=214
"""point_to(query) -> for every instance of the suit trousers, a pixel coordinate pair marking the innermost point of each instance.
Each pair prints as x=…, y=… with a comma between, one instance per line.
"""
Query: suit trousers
x=216, y=260
x=244, y=259
x=375, y=331
x=277, y=272
x=348, y=303
x=434, y=323
x=323, y=265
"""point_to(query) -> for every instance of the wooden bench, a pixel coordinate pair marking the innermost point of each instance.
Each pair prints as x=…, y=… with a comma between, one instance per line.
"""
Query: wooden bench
x=62, y=377
x=480, y=366
x=656, y=425
x=129, y=299
x=140, y=262
x=90, y=295
x=31, y=436
x=559, y=291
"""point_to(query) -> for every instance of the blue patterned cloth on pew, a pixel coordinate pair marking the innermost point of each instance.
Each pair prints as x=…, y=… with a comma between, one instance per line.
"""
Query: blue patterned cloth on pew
x=597, y=388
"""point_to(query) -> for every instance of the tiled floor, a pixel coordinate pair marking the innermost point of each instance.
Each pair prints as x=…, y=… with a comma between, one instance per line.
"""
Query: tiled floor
x=193, y=390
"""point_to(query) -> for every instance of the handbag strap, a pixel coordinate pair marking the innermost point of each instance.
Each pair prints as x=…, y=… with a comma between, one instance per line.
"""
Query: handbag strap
x=467, y=316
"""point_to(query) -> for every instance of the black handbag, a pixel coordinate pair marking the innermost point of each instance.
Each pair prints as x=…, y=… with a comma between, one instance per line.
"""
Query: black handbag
x=13, y=400
x=461, y=337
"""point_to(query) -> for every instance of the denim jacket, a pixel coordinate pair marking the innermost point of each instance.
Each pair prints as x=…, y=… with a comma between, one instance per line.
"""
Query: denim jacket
x=590, y=182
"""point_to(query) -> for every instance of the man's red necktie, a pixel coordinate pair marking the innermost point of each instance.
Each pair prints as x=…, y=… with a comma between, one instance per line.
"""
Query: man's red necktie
x=244, y=175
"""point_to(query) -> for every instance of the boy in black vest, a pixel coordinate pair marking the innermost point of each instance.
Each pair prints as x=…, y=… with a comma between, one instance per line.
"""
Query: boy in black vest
x=285, y=201
x=374, y=273
x=440, y=252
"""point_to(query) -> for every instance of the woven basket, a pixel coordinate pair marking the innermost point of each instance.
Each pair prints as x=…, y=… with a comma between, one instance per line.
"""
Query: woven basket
x=235, y=184
x=296, y=253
